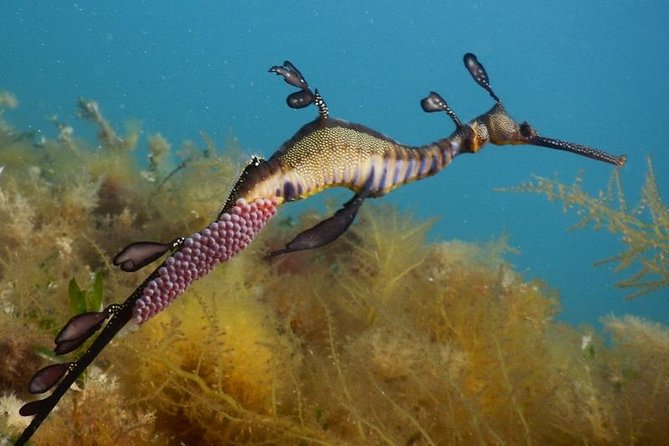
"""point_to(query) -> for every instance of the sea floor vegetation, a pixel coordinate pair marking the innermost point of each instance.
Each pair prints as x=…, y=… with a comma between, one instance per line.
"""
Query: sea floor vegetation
x=379, y=338
x=643, y=229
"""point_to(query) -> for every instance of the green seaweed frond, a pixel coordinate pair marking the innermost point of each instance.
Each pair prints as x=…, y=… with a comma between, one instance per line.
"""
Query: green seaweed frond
x=83, y=301
x=107, y=136
x=644, y=229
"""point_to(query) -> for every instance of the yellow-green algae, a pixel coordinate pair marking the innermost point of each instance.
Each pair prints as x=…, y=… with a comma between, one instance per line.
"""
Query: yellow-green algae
x=378, y=338
x=644, y=228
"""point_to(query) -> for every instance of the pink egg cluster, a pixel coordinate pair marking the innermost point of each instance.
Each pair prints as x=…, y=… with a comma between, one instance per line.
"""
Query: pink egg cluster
x=200, y=252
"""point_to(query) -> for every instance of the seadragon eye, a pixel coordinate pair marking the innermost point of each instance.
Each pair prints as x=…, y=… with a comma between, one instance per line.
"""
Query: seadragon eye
x=526, y=130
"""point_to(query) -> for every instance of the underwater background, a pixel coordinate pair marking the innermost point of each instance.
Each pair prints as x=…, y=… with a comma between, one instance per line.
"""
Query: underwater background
x=518, y=278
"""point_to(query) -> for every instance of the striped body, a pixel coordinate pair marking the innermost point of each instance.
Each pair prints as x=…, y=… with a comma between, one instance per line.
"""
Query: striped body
x=330, y=152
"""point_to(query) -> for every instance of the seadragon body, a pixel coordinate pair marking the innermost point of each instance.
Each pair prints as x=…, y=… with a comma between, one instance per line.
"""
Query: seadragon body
x=325, y=153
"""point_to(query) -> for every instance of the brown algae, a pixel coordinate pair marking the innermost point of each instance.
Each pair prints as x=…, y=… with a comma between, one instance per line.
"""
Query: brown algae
x=379, y=338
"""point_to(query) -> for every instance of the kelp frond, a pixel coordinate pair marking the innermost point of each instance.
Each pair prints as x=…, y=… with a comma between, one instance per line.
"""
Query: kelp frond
x=643, y=229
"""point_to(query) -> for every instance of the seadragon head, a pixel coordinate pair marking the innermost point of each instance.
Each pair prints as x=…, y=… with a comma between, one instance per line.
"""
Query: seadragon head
x=498, y=127
x=503, y=130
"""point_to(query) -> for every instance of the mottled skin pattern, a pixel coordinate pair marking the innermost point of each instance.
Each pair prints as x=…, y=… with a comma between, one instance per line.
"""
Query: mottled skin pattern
x=330, y=153
x=343, y=154
x=326, y=152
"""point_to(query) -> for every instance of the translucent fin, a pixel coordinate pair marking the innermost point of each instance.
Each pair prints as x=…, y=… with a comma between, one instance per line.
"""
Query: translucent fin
x=139, y=254
x=77, y=330
x=47, y=377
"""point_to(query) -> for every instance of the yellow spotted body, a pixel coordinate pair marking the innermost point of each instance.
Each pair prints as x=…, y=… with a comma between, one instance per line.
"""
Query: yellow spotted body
x=330, y=152
x=334, y=156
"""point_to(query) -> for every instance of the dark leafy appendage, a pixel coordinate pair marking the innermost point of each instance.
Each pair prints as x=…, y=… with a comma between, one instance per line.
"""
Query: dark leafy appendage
x=644, y=228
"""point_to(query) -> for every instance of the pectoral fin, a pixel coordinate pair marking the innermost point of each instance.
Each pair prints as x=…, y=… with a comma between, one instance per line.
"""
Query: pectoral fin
x=326, y=231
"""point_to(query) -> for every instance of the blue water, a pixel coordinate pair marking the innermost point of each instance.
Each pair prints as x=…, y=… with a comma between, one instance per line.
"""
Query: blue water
x=591, y=72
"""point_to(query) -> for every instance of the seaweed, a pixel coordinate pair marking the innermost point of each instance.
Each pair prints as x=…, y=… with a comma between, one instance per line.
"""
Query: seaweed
x=644, y=228
x=381, y=337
